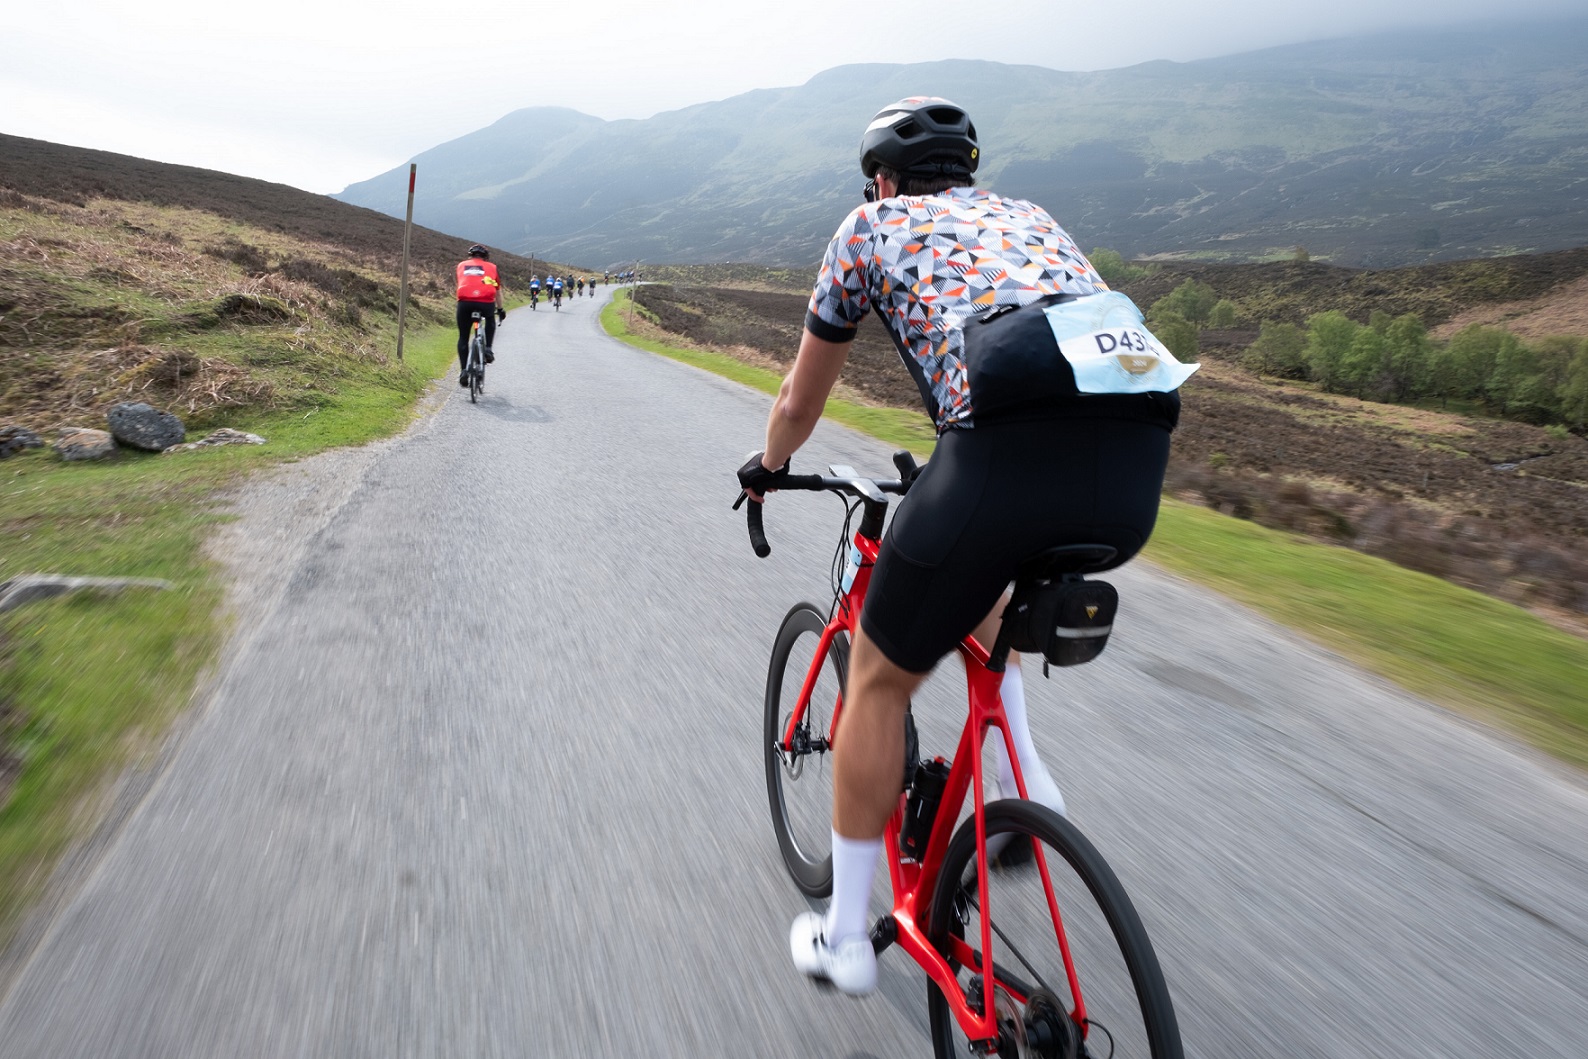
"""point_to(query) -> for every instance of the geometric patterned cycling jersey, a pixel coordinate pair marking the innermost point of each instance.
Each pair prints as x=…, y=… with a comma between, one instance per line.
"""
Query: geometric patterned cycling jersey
x=927, y=264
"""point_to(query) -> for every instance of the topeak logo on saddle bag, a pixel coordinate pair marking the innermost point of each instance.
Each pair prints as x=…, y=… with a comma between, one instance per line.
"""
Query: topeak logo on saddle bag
x=1066, y=621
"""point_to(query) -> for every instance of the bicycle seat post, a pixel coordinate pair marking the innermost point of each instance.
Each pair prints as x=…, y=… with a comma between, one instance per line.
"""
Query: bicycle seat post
x=999, y=658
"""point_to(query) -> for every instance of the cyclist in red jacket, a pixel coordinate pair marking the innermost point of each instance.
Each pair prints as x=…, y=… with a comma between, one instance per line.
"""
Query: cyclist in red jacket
x=479, y=291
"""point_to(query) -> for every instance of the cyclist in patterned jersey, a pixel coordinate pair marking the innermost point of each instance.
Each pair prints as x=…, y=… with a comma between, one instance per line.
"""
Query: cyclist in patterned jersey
x=1038, y=446
x=479, y=291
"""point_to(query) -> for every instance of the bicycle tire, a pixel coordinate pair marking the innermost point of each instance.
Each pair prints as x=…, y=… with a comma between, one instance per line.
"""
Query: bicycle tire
x=476, y=368
x=1121, y=981
x=802, y=818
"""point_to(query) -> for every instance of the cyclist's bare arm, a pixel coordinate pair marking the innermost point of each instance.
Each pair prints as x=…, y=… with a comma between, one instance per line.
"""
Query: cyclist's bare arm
x=802, y=397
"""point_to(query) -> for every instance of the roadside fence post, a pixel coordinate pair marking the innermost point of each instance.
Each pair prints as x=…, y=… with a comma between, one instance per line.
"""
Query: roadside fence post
x=408, y=227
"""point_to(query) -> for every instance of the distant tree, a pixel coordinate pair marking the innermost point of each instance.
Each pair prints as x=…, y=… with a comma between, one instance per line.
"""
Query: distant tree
x=1573, y=392
x=1409, y=358
x=1178, y=334
x=1379, y=320
x=1192, y=301
x=1222, y=315
x=1114, y=269
x=1280, y=349
x=1301, y=255
x=1514, y=364
x=1531, y=377
x=1329, y=338
x=1462, y=369
x=1366, y=364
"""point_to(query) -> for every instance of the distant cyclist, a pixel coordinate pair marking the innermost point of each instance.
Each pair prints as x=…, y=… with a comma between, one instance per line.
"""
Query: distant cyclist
x=556, y=291
x=479, y=291
x=534, y=291
x=1069, y=446
x=580, y=282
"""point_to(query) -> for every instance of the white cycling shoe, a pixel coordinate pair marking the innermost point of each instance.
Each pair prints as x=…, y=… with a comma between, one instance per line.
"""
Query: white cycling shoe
x=851, y=966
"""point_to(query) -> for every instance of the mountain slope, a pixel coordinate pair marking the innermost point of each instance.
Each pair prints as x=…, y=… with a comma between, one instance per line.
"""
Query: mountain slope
x=1374, y=151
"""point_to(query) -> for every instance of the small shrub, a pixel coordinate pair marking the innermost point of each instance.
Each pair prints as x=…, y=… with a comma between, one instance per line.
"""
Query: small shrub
x=1114, y=269
x=249, y=257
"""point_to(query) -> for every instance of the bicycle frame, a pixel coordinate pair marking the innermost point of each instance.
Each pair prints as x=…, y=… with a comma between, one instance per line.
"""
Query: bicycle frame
x=477, y=343
x=913, y=882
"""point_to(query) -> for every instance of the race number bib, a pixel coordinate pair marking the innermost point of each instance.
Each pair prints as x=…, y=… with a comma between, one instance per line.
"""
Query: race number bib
x=1110, y=349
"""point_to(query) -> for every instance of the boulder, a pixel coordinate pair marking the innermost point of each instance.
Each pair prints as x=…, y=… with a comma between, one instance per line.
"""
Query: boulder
x=15, y=439
x=140, y=427
x=81, y=443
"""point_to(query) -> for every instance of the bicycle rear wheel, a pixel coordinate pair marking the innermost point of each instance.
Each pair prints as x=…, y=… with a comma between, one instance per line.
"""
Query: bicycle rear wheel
x=476, y=367
x=799, y=779
x=1128, y=1010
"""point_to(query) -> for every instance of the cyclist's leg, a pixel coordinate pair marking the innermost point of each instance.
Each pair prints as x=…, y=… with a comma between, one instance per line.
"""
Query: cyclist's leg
x=465, y=323
x=904, y=630
x=867, y=750
x=1040, y=785
x=490, y=333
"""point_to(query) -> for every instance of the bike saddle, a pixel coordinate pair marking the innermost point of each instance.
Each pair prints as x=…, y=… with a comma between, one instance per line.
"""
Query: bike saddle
x=1054, y=563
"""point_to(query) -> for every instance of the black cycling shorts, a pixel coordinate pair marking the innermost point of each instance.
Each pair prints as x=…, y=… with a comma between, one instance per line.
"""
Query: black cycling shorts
x=996, y=495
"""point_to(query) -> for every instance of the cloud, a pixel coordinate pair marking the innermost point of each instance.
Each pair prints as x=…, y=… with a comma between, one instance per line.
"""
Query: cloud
x=320, y=95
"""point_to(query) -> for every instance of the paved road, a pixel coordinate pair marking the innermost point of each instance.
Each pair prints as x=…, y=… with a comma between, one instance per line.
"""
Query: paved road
x=484, y=780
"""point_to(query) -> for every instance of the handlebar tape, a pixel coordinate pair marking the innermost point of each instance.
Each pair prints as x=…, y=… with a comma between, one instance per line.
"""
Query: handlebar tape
x=755, y=516
x=757, y=532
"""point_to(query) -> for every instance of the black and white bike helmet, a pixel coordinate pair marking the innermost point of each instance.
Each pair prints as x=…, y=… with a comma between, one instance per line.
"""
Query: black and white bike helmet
x=479, y=251
x=920, y=136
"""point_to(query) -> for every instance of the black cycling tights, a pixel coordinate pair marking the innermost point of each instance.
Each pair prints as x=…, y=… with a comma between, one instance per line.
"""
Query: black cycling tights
x=993, y=496
x=466, y=311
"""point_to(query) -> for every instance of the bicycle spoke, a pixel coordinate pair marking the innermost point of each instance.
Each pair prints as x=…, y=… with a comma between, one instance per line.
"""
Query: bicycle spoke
x=1114, y=968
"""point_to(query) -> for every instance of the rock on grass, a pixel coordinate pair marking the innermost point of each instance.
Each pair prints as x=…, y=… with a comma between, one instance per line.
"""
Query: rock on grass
x=139, y=426
x=82, y=443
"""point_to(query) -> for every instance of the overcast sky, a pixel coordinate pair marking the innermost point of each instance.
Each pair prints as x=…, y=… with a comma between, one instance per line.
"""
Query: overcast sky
x=322, y=94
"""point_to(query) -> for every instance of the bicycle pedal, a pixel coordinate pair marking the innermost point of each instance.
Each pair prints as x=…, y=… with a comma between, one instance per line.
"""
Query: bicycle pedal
x=884, y=932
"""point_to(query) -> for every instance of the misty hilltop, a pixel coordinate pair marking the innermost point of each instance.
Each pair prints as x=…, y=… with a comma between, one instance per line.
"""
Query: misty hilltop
x=1384, y=150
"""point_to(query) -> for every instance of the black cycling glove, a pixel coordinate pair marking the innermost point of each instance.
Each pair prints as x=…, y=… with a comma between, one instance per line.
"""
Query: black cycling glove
x=755, y=478
x=501, y=314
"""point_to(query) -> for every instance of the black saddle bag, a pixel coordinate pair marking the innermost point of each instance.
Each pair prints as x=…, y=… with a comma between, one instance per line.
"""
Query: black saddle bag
x=1066, y=621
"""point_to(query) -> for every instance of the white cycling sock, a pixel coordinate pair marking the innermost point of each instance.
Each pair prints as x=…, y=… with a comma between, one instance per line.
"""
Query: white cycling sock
x=1039, y=785
x=854, y=864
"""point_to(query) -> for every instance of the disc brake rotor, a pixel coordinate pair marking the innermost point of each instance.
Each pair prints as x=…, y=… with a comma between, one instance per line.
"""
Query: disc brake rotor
x=1012, y=1043
x=793, y=761
x=1050, y=1032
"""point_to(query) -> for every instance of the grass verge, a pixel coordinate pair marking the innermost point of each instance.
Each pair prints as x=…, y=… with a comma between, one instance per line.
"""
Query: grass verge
x=89, y=683
x=1448, y=644
x=900, y=427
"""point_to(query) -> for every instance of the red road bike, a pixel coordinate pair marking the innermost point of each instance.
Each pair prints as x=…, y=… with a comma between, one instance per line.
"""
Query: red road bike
x=1065, y=968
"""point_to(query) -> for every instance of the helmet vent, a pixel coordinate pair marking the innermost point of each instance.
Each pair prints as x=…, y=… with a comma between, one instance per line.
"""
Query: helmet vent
x=907, y=130
x=944, y=115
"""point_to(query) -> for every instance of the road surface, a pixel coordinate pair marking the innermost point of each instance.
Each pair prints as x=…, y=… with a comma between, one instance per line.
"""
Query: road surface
x=481, y=777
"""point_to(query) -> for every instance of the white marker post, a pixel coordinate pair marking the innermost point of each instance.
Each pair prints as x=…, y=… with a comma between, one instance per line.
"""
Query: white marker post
x=408, y=227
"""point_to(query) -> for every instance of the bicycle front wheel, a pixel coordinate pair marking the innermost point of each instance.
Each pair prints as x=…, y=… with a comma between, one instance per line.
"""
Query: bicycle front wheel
x=799, y=779
x=1128, y=1013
